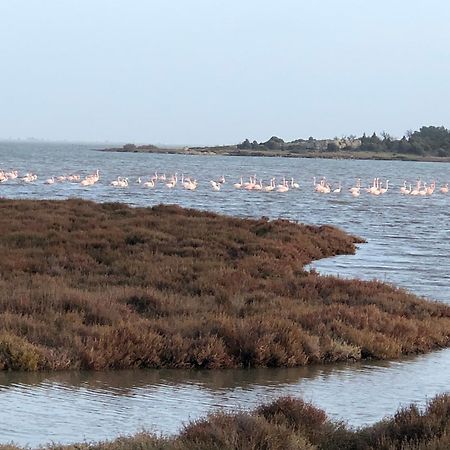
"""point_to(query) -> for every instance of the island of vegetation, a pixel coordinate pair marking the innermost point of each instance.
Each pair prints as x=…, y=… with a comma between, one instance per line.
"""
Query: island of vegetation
x=107, y=286
x=430, y=143
x=291, y=424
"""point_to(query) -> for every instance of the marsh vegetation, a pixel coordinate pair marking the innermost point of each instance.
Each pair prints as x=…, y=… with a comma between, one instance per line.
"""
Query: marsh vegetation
x=97, y=286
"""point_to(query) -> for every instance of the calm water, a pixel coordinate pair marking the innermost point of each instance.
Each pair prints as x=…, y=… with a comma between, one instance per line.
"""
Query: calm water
x=68, y=407
x=408, y=244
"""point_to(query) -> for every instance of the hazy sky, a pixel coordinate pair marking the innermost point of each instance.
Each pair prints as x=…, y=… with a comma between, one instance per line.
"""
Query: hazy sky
x=209, y=71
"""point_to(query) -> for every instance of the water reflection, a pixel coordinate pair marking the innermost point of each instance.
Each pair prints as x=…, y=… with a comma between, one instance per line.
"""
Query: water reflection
x=124, y=381
x=73, y=406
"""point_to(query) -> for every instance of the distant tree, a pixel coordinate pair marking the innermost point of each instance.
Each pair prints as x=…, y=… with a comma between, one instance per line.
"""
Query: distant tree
x=374, y=139
x=129, y=147
x=274, y=143
x=442, y=152
x=404, y=146
x=386, y=136
x=332, y=147
x=417, y=148
x=245, y=145
x=431, y=139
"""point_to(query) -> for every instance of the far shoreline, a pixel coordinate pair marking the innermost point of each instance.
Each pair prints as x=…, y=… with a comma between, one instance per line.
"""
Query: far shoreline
x=230, y=151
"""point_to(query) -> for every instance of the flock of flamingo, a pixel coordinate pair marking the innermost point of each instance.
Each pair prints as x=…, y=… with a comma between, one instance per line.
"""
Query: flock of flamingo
x=377, y=187
x=322, y=186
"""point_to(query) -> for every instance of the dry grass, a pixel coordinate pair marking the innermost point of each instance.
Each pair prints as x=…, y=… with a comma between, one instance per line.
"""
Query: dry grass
x=291, y=424
x=96, y=286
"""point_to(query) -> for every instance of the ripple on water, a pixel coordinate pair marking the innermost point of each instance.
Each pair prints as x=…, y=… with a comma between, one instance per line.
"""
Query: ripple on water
x=103, y=405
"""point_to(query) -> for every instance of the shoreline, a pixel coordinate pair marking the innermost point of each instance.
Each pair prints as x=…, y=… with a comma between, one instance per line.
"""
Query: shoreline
x=341, y=155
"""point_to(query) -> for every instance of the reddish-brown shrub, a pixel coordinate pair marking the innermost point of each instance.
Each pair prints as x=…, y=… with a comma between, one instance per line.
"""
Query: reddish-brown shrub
x=95, y=286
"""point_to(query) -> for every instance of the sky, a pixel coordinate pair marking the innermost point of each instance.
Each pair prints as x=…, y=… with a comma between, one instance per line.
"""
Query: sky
x=204, y=72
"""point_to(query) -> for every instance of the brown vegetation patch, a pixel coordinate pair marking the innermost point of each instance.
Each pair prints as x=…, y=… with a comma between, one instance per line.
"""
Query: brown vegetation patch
x=96, y=286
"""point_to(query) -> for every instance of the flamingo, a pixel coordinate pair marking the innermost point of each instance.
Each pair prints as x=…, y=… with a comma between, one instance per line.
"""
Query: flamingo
x=444, y=189
x=416, y=190
x=423, y=191
x=29, y=178
x=375, y=188
x=250, y=184
x=173, y=182
x=120, y=182
x=215, y=185
x=318, y=187
x=188, y=184
x=90, y=180
x=431, y=188
x=283, y=187
x=238, y=185
x=357, y=187
x=191, y=185
x=384, y=190
x=258, y=187
x=11, y=175
x=150, y=183
x=408, y=191
x=404, y=189
x=283, y=183
x=116, y=182
x=270, y=187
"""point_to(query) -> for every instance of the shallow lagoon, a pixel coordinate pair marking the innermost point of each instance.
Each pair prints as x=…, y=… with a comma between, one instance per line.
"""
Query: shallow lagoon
x=408, y=244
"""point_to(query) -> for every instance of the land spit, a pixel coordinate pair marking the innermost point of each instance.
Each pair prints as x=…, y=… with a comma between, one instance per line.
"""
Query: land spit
x=106, y=286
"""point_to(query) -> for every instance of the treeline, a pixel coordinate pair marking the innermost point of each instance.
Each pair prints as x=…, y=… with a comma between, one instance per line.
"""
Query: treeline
x=431, y=140
x=428, y=141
